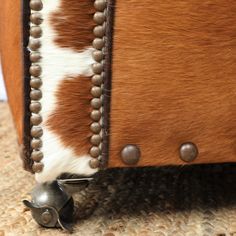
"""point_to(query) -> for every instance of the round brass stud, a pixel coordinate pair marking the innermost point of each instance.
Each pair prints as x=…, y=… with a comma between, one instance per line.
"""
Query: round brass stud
x=35, y=83
x=95, y=128
x=97, y=79
x=97, y=68
x=188, y=152
x=96, y=115
x=35, y=94
x=96, y=139
x=37, y=156
x=36, y=143
x=99, y=31
x=36, y=119
x=100, y=5
x=99, y=17
x=130, y=154
x=35, y=107
x=35, y=31
x=96, y=103
x=36, y=18
x=98, y=56
x=95, y=152
x=36, y=132
x=34, y=44
x=96, y=91
x=98, y=43
x=37, y=167
x=94, y=163
x=35, y=57
x=36, y=5
x=35, y=70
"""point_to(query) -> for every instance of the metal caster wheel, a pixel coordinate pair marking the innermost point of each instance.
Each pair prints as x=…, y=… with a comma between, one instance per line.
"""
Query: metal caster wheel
x=52, y=206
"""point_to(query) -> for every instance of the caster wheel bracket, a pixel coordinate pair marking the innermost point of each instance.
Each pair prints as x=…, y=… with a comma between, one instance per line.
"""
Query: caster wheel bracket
x=51, y=206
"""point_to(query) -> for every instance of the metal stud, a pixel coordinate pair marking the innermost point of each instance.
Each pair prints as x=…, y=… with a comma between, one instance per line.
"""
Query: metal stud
x=36, y=5
x=35, y=31
x=95, y=127
x=35, y=107
x=35, y=83
x=98, y=55
x=188, y=152
x=36, y=18
x=97, y=68
x=37, y=156
x=96, y=115
x=99, y=31
x=34, y=44
x=35, y=70
x=37, y=167
x=36, y=119
x=96, y=91
x=96, y=139
x=98, y=43
x=35, y=57
x=94, y=163
x=97, y=79
x=96, y=103
x=36, y=143
x=100, y=5
x=130, y=154
x=95, y=152
x=36, y=132
x=99, y=17
x=35, y=94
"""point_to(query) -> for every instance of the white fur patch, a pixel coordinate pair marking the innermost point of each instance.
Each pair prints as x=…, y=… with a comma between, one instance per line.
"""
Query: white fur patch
x=57, y=64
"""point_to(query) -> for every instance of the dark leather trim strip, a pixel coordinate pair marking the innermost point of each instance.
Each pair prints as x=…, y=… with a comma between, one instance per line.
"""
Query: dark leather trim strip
x=107, y=81
x=26, y=148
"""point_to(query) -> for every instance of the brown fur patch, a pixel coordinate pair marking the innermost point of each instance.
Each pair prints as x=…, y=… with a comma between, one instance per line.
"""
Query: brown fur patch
x=174, y=80
x=74, y=24
x=71, y=118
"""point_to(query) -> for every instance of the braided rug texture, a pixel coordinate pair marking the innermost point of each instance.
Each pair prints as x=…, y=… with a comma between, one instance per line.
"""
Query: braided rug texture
x=193, y=201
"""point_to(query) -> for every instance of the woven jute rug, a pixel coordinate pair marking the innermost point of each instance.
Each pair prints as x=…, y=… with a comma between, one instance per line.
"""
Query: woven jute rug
x=192, y=201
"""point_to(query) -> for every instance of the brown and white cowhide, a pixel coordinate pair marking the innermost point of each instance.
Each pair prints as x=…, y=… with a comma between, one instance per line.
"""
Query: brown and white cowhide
x=66, y=53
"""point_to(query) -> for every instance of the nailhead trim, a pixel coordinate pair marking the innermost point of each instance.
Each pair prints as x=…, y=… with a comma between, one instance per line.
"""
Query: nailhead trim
x=36, y=18
x=97, y=82
x=35, y=83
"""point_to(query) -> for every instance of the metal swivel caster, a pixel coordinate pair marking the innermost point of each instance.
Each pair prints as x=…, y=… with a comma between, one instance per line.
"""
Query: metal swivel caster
x=52, y=206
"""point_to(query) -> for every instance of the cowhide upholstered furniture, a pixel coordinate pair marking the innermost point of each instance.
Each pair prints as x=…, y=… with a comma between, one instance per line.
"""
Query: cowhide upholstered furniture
x=96, y=84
